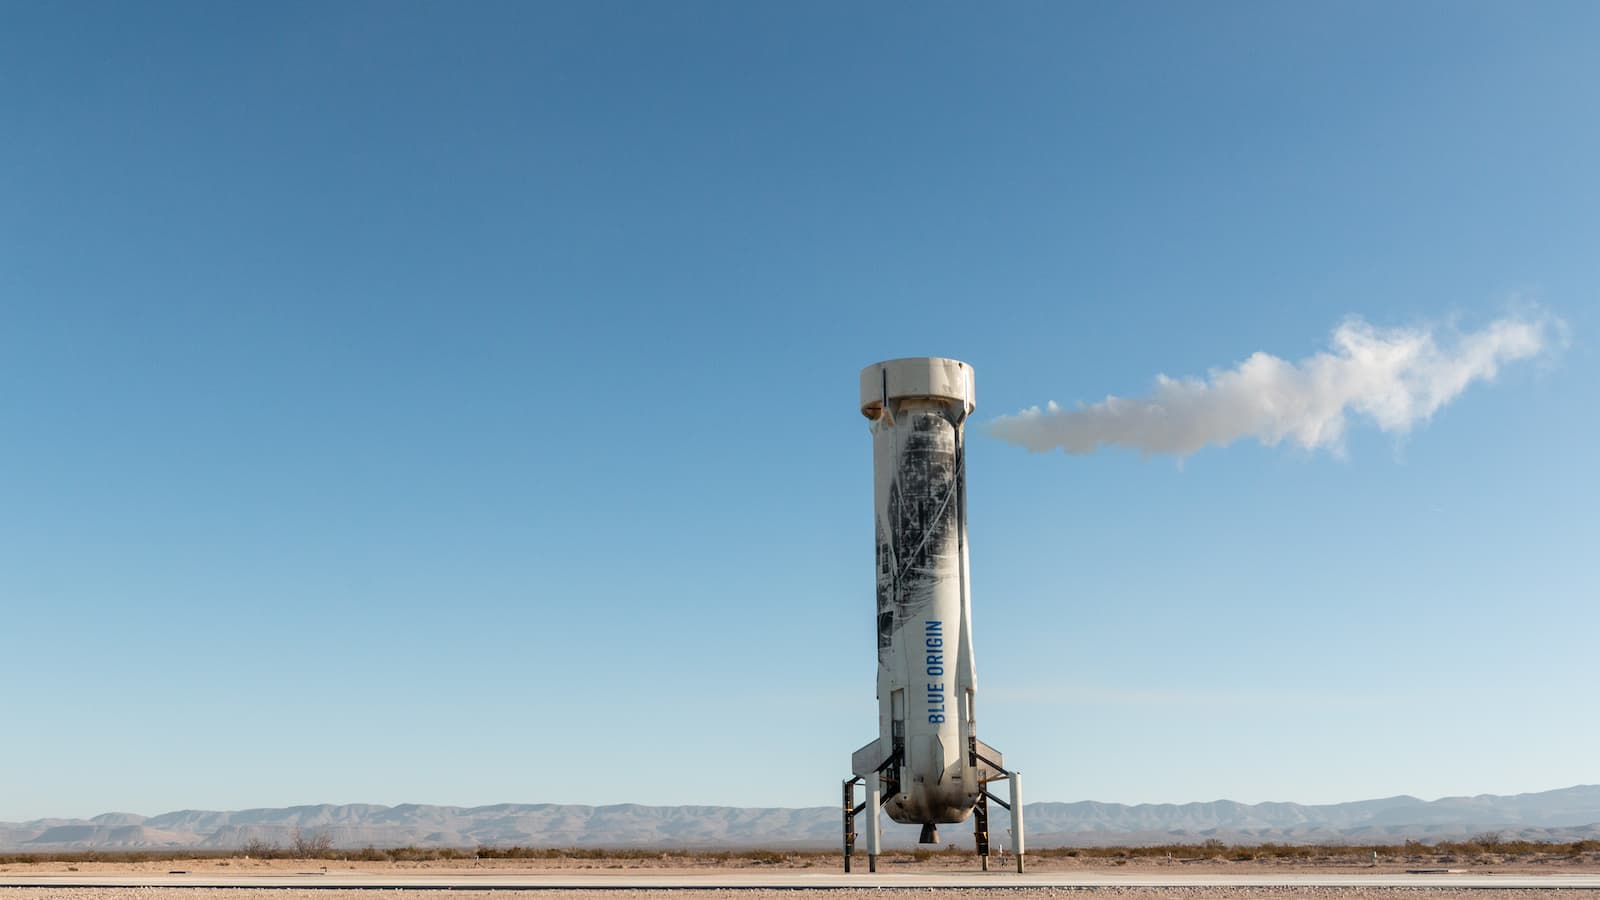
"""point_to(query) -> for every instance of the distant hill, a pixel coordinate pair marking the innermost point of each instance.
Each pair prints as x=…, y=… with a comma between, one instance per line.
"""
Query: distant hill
x=1566, y=814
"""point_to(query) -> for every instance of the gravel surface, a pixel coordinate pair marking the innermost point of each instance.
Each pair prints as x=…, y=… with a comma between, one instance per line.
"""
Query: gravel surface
x=834, y=894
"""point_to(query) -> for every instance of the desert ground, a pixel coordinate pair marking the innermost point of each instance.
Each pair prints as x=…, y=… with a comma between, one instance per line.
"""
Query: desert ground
x=1287, y=892
x=755, y=878
x=894, y=862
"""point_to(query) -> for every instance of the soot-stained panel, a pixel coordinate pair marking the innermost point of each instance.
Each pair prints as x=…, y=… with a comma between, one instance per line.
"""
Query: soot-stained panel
x=921, y=514
x=885, y=589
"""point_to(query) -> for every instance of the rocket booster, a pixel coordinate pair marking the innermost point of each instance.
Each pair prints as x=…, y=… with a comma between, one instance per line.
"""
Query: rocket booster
x=927, y=759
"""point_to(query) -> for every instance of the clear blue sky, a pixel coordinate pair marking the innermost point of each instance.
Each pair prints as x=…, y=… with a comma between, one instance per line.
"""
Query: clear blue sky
x=456, y=403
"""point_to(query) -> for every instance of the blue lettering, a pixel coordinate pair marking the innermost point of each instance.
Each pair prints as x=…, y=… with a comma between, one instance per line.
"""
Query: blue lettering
x=933, y=639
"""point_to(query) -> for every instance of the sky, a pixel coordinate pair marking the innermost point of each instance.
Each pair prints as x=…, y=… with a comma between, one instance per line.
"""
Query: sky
x=456, y=403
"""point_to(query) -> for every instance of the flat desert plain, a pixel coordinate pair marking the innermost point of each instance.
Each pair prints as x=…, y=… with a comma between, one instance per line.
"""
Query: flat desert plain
x=899, y=877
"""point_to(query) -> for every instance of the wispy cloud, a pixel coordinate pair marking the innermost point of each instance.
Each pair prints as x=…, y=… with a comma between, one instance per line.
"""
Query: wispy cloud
x=1393, y=377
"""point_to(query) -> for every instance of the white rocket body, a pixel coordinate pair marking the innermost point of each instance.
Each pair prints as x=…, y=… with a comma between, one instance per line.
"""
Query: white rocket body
x=927, y=759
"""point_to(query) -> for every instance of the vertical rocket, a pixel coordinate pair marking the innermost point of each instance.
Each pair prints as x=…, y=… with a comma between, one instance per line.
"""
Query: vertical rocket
x=927, y=765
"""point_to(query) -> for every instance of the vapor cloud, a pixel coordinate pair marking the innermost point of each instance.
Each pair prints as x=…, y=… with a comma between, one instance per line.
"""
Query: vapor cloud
x=1394, y=377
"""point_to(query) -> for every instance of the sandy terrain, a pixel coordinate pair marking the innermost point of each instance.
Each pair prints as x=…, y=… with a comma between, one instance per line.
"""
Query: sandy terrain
x=796, y=867
x=890, y=863
x=1122, y=893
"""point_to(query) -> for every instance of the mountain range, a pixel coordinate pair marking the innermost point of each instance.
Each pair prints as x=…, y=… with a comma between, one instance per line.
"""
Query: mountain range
x=1566, y=814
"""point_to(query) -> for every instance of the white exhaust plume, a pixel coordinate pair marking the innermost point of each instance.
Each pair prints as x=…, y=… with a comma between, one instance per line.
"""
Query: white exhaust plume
x=1395, y=377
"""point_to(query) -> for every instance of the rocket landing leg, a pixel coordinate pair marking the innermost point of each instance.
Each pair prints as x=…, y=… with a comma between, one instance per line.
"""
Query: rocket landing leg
x=1016, y=815
x=872, y=806
x=995, y=771
x=980, y=829
x=1014, y=807
x=850, y=810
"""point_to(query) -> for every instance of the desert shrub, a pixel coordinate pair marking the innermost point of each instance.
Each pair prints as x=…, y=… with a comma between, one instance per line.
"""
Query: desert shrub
x=259, y=848
x=311, y=844
x=766, y=857
x=1488, y=840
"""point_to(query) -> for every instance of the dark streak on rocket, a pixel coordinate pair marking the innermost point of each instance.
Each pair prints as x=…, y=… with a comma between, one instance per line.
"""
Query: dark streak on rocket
x=922, y=521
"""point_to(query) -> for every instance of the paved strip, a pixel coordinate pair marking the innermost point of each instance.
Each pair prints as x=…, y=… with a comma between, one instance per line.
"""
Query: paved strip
x=800, y=881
